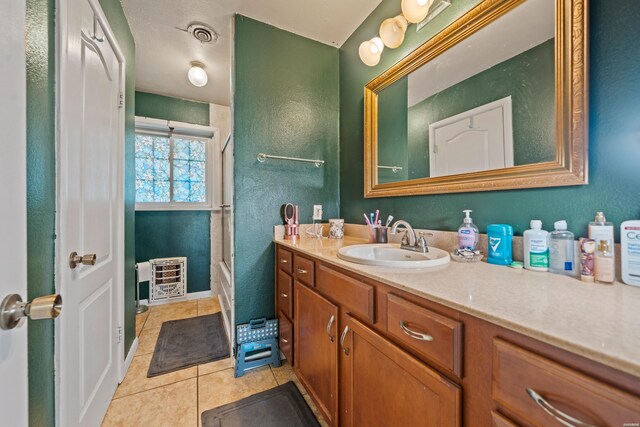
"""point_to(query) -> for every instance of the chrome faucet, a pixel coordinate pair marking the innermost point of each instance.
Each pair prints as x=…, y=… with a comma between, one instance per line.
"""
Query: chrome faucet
x=409, y=240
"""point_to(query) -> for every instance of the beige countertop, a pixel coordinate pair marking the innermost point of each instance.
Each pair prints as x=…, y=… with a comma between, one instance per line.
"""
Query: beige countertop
x=599, y=322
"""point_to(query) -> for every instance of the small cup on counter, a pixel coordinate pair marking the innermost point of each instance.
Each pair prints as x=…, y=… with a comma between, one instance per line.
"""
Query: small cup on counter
x=336, y=228
x=381, y=234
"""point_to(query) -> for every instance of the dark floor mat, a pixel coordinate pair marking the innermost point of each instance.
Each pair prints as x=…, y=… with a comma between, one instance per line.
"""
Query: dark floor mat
x=282, y=406
x=189, y=342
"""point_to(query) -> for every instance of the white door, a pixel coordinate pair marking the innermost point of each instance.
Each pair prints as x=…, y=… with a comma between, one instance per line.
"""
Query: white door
x=13, y=209
x=90, y=213
x=475, y=140
x=226, y=267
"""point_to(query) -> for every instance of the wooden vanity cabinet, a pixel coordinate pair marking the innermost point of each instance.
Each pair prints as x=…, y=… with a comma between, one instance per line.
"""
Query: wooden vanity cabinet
x=385, y=386
x=316, y=349
x=284, y=301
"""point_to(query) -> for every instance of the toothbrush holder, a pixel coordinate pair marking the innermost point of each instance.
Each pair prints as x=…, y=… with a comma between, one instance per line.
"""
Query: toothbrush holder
x=381, y=234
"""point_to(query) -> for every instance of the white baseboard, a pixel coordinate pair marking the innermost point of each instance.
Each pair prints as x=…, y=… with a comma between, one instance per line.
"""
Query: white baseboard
x=188, y=297
x=129, y=359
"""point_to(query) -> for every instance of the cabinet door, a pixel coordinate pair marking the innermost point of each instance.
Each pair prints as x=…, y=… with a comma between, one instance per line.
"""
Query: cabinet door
x=315, y=349
x=385, y=386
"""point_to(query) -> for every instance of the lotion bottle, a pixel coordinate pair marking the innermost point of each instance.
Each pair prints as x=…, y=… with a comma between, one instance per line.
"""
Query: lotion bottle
x=605, y=271
x=467, y=233
x=630, y=249
x=536, y=247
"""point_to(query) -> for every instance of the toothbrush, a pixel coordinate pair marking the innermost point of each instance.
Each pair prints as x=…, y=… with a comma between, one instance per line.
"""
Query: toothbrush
x=389, y=220
x=366, y=219
x=377, y=213
x=371, y=219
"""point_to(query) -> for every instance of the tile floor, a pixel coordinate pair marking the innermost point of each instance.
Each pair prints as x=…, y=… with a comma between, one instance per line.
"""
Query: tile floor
x=179, y=398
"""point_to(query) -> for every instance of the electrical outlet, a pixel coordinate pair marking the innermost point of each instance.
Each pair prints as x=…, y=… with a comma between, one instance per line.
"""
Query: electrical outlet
x=317, y=212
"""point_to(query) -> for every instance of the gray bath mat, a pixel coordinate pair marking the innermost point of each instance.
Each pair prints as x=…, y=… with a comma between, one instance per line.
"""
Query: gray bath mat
x=189, y=342
x=282, y=406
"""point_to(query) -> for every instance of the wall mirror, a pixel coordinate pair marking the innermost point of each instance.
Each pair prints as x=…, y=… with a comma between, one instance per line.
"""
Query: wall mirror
x=497, y=100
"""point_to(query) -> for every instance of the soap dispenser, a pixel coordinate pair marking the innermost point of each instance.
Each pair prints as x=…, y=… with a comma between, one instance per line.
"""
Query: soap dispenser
x=467, y=233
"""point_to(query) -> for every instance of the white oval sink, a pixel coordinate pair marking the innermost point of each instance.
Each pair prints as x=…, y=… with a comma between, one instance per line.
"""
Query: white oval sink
x=389, y=255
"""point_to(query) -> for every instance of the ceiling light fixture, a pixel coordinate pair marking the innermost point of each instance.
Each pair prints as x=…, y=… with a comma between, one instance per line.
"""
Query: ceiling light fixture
x=197, y=75
x=371, y=50
x=392, y=31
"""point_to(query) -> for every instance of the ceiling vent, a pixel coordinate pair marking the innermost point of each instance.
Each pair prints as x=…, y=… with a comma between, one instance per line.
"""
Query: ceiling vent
x=201, y=32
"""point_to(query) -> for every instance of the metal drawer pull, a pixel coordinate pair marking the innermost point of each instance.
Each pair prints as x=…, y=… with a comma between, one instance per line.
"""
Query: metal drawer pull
x=331, y=337
x=302, y=271
x=342, y=337
x=560, y=416
x=284, y=340
x=414, y=334
x=283, y=295
x=283, y=261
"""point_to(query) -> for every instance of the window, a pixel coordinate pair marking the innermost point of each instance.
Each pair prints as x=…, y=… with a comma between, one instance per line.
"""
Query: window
x=172, y=171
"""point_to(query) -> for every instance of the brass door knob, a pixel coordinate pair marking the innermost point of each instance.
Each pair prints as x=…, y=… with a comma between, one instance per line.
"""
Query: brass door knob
x=75, y=259
x=13, y=310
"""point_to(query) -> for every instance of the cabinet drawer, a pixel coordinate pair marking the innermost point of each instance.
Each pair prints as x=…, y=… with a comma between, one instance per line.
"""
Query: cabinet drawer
x=540, y=391
x=286, y=338
x=498, y=420
x=357, y=297
x=303, y=270
x=285, y=260
x=436, y=337
x=284, y=295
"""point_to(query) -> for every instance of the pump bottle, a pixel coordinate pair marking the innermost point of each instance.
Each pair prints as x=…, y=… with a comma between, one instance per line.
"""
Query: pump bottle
x=467, y=233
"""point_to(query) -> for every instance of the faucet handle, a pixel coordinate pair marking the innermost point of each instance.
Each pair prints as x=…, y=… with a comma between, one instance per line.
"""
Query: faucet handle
x=405, y=238
x=422, y=241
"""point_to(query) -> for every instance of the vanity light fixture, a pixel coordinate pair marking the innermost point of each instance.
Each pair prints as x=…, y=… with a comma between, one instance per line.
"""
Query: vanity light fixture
x=392, y=31
x=197, y=75
x=371, y=50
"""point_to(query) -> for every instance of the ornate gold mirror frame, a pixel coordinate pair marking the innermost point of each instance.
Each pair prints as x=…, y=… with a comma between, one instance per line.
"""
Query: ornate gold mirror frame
x=570, y=166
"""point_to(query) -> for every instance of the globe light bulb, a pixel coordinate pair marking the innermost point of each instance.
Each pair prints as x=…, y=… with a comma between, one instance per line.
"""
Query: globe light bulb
x=197, y=75
x=370, y=51
x=392, y=31
x=415, y=10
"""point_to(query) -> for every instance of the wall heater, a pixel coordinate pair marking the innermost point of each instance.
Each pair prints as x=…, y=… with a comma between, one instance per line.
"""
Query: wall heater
x=168, y=278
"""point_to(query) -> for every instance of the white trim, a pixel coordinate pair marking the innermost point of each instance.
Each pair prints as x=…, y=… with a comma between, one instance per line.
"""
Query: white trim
x=227, y=325
x=129, y=359
x=507, y=119
x=179, y=128
x=189, y=297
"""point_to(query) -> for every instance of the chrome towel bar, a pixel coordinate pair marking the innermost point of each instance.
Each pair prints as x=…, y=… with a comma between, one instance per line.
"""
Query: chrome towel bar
x=262, y=157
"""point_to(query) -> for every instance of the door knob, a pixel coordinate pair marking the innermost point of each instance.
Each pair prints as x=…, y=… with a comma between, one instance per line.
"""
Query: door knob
x=75, y=259
x=13, y=309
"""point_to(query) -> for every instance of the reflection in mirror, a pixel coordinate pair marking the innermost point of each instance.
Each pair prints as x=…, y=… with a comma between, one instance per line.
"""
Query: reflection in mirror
x=486, y=103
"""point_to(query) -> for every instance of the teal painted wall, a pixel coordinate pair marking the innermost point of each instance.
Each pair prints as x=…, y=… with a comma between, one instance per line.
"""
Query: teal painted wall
x=528, y=78
x=41, y=202
x=393, y=137
x=614, y=96
x=164, y=234
x=41, y=191
x=286, y=103
x=168, y=108
x=175, y=233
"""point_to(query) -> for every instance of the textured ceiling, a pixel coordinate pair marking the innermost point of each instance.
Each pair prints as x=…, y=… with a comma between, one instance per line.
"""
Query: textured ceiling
x=163, y=53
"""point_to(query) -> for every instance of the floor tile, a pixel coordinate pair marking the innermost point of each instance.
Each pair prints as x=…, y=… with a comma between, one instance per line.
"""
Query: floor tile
x=140, y=320
x=136, y=379
x=315, y=410
x=218, y=365
x=221, y=387
x=163, y=313
x=208, y=306
x=173, y=405
x=147, y=340
x=285, y=373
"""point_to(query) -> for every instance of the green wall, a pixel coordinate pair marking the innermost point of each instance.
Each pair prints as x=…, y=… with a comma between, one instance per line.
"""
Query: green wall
x=286, y=103
x=614, y=96
x=163, y=234
x=41, y=202
x=41, y=191
x=528, y=78
x=393, y=131
x=168, y=108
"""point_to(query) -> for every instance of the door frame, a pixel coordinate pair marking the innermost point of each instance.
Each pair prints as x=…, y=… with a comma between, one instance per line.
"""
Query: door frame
x=63, y=8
